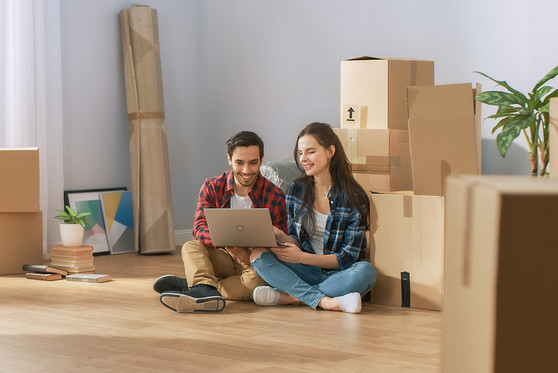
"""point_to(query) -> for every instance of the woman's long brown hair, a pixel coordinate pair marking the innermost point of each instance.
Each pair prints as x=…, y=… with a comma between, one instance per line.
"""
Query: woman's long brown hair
x=340, y=169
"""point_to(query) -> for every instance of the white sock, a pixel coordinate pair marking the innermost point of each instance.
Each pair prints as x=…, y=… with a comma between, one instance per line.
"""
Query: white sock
x=266, y=296
x=351, y=303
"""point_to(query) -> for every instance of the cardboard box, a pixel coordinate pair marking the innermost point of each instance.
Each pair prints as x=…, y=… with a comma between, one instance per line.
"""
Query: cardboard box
x=407, y=236
x=374, y=88
x=19, y=184
x=380, y=158
x=553, y=139
x=21, y=240
x=500, y=303
x=444, y=132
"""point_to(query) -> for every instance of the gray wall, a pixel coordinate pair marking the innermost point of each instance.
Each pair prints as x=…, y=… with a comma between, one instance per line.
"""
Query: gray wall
x=273, y=66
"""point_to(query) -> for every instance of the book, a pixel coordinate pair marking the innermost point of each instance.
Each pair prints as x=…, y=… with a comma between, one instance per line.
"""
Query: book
x=43, y=268
x=71, y=263
x=71, y=249
x=43, y=276
x=88, y=277
x=70, y=256
x=71, y=269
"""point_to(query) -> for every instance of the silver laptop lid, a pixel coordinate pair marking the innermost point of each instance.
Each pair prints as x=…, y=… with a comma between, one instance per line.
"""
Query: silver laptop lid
x=240, y=227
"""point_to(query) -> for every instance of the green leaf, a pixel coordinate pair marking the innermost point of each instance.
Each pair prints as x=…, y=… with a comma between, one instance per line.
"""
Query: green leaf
x=502, y=123
x=541, y=92
x=504, y=84
x=71, y=211
x=498, y=98
x=81, y=215
x=551, y=95
x=511, y=130
x=550, y=75
x=506, y=137
x=505, y=111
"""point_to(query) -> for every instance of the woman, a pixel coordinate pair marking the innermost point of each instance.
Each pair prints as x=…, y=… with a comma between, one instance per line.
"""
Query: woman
x=321, y=263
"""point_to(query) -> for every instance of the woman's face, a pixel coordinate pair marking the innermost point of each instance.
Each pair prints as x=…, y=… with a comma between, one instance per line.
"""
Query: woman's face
x=313, y=157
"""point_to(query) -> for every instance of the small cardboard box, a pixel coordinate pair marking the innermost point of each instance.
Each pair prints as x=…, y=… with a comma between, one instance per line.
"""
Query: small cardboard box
x=373, y=89
x=553, y=140
x=444, y=132
x=500, y=299
x=21, y=240
x=19, y=183
x=380, y=158
x=407, y=236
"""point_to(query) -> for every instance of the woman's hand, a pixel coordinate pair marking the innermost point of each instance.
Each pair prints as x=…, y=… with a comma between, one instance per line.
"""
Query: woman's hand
x=290, y=253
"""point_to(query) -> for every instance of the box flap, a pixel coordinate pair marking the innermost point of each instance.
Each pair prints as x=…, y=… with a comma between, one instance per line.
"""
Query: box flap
x=365, y=58
x=440, y=101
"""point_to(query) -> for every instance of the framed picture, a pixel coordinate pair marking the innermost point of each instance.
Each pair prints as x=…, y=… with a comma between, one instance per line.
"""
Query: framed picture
x=118, y=214
x=88, y=200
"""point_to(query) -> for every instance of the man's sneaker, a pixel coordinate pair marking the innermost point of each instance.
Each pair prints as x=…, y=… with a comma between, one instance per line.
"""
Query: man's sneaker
x=169, y=283
x=198, y=298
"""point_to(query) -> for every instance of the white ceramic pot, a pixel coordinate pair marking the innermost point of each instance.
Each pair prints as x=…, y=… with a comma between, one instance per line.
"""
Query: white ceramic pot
x=71, y=234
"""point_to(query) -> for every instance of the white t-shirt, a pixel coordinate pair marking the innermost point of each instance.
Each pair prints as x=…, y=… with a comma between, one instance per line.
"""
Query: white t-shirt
x=240, y=202
x=317, y=239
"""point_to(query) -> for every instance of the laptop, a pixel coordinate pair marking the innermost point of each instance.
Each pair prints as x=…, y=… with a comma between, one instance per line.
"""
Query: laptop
x=240, y=227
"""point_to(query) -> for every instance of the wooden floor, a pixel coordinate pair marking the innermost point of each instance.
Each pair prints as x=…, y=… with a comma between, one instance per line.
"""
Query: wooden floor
x=120, y=326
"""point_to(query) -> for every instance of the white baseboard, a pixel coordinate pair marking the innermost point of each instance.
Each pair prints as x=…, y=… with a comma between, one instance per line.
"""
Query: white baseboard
x=182, y=236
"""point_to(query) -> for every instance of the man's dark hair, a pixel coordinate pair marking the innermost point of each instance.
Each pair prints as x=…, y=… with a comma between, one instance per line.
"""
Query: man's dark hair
x=245, y=138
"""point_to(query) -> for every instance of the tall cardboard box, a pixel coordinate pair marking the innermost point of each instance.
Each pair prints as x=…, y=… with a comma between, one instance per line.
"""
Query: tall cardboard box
x=444, y=132
x=380, y=158
x=500, y=303
x=553, y=140
x=19, y=180
x=21, y=240
x=374, y=88
x=407, y=235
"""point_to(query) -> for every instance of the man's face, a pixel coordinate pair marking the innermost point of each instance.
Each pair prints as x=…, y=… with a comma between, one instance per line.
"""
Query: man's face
x=245, y=163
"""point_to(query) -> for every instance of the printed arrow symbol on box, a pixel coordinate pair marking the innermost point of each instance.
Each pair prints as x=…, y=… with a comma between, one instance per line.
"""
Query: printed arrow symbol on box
x=351, y=111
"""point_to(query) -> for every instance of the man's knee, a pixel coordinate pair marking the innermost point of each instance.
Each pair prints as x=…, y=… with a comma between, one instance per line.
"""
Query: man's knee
x=256, y=253
x=193, y=246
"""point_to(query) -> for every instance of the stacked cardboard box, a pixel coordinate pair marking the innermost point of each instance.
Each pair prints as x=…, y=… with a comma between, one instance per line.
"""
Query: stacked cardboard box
x=500, y=302
x=73, y=259
x=403, y=133
x=21, y=222
x=408, y=237
x=374, y=118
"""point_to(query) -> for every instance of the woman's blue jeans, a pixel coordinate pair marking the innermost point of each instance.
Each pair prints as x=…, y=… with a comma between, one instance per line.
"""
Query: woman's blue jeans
x=310, y=284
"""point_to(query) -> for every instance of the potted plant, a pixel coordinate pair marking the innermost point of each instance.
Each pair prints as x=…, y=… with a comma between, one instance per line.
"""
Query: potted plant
x=71, y=231
x=519, y=113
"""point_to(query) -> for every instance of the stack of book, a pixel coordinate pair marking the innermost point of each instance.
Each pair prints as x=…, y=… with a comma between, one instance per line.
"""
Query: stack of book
x=73, y=259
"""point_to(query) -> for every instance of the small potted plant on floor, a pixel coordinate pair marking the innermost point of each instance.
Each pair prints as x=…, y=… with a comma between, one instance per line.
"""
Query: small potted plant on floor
x=71, y=231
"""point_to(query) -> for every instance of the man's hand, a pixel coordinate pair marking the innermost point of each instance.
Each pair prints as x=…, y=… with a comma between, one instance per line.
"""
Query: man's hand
x=241, y=254
x=290, y=253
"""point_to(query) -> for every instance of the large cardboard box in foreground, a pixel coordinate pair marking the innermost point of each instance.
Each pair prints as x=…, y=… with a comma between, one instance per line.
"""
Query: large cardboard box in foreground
x=407, y=236
x=374, y=88
x=444, y=132
x=21, y=240
x=380, y=159
x=500, y=298
x=19, y=180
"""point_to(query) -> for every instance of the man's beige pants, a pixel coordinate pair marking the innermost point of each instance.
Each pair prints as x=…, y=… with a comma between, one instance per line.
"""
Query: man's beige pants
x=215, y=267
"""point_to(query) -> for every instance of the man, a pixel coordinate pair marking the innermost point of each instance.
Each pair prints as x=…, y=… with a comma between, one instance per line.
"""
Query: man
x=215, y=274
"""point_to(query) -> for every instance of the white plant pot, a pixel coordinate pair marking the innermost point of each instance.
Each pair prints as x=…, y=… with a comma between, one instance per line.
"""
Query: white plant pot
x=71, y=234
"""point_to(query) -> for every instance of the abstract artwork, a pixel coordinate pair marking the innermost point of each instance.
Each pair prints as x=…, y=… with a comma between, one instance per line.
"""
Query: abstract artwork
x=88, y=201
x=118, y=215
